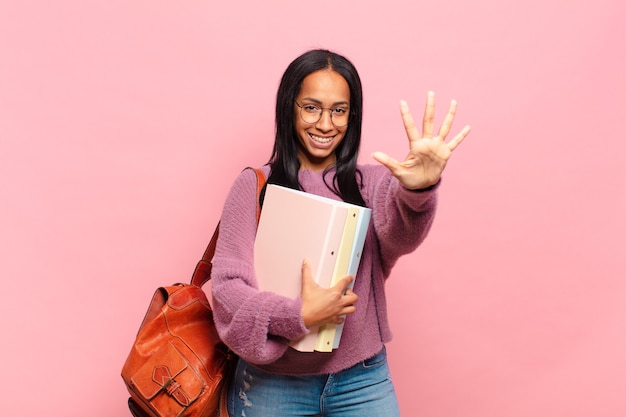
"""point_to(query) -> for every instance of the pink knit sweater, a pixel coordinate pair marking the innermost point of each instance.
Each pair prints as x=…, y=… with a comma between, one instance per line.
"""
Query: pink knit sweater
x=258, y=325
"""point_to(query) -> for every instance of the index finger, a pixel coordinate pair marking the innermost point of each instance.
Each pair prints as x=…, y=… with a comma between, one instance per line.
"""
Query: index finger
x=409, y=123
x=344, y=283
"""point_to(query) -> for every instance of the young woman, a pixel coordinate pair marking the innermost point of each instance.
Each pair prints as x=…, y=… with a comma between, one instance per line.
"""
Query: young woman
x=318, y=133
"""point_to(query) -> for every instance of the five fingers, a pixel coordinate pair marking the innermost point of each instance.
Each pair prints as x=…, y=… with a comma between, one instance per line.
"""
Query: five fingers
x=428, y=124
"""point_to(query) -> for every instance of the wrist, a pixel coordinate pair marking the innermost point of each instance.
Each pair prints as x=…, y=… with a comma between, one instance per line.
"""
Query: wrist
x=425, y=189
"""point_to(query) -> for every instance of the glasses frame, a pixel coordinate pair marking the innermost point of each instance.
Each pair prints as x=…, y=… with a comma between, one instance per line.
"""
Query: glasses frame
x=330, y=111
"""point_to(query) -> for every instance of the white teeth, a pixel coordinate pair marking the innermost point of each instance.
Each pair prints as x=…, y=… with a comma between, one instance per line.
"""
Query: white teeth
x=320, y=140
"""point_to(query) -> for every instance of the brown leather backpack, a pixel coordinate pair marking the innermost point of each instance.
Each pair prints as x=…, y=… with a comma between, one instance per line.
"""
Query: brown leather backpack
x=178, y=366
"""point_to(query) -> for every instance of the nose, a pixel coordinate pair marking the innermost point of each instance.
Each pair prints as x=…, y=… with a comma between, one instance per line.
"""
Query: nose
x=326, y=121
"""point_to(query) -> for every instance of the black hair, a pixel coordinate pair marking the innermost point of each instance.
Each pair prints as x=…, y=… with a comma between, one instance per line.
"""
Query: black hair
x=284, y=161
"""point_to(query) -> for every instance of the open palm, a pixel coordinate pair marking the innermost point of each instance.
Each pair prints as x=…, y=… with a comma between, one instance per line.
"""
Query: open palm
x=428, y=153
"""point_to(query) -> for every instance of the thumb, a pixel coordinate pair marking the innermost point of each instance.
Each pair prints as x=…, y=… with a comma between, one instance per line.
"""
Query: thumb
x=307, y=274
x=385, y=160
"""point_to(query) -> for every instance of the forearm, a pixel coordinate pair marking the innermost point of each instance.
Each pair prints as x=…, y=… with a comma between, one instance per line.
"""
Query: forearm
x=401, y=218
x=254, y=324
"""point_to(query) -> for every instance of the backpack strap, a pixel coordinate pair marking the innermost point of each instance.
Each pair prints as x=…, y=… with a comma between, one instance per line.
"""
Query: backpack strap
x=202, y=273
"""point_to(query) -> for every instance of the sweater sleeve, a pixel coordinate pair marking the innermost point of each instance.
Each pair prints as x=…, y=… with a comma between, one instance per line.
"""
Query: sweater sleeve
x=401, y=218
x=256, y=325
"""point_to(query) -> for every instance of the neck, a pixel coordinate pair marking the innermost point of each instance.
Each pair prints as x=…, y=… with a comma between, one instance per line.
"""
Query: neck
x=314, y=165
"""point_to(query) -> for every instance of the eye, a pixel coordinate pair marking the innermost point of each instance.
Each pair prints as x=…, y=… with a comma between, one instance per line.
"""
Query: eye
x=340, y=111
x=309, y=108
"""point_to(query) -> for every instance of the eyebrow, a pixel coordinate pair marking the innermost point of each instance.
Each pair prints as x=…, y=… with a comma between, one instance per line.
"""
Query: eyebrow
x=337, y=103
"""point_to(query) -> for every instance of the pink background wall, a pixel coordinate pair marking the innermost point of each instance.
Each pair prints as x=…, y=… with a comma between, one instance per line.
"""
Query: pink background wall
x=122, y=125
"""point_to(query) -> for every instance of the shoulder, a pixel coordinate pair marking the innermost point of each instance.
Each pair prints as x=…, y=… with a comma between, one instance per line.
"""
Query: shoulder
x=245, y=186
x=249, y=177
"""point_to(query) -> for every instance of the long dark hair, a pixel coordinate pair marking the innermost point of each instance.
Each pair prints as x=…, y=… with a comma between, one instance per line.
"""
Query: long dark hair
x=284, y=161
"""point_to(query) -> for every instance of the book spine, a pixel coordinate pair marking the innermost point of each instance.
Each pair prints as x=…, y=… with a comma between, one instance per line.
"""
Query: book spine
x=355, y=260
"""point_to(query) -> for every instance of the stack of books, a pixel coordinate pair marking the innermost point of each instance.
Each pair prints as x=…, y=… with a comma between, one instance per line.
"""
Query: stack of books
x=295, y=225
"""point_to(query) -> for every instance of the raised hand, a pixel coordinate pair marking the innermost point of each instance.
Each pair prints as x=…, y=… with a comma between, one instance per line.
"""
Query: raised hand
x=428, y=154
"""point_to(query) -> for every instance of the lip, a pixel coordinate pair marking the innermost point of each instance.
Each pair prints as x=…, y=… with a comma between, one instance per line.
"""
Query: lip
x=321, y=141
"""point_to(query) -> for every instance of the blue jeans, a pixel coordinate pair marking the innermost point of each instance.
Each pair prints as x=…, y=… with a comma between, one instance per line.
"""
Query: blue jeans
x=364, y=390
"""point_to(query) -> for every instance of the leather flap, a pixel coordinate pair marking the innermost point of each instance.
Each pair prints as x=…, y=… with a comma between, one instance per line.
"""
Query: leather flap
x=186, y=296
x=167, y=370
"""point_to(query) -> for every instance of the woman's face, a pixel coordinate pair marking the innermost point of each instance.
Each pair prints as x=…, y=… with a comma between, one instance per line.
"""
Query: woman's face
x=324, y=89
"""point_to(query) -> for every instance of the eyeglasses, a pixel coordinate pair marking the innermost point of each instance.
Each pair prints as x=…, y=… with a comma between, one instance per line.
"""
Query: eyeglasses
x=310, y=113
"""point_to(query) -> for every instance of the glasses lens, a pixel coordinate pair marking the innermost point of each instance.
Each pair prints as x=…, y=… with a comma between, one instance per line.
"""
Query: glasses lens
x=340, y=116
x=309, y=113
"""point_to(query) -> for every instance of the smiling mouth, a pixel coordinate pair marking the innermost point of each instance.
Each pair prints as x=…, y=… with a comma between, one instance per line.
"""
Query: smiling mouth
x=321, y=140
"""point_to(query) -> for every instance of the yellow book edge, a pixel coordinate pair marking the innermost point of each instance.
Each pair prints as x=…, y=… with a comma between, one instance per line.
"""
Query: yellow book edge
x=326, y=333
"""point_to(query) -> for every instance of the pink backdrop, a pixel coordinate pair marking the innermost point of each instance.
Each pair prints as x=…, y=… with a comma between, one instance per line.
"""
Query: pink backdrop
x=122, y=125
